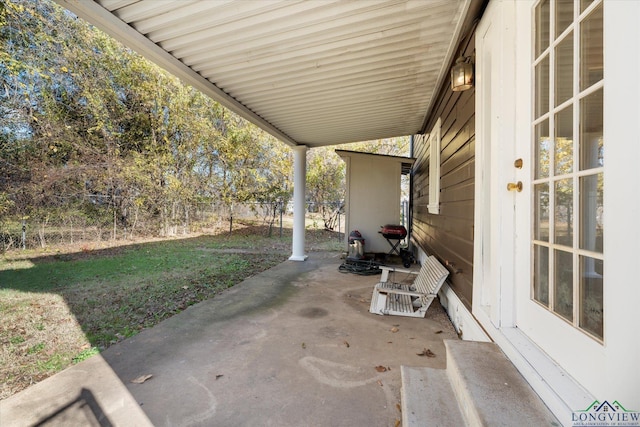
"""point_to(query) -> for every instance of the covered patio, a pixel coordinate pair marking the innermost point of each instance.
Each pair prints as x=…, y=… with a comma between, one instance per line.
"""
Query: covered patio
x=316, y=73
x=293, y=346
x=312, y=73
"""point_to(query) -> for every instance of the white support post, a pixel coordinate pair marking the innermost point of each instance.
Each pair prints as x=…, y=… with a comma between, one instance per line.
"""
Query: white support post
x=299, y=200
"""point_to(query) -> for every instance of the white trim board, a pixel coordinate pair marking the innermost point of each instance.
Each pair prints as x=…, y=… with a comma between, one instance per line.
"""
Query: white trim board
x=463, y=321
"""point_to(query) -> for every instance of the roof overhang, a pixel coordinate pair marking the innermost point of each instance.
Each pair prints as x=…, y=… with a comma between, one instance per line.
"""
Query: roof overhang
x=406, y=163
x=315, y=72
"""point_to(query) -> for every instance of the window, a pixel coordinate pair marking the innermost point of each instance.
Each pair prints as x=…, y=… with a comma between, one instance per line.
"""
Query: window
x=568, y=181
x=434, y=169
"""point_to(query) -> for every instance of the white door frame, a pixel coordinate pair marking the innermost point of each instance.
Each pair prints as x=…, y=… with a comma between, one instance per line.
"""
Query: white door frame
x=494, y=284
x=503, y=134
x=494, y=219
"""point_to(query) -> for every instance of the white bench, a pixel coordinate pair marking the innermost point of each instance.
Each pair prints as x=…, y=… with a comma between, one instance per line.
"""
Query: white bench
x=408, y=300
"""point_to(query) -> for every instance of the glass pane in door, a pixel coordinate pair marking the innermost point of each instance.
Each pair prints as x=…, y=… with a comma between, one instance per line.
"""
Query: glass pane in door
x=591, y=296
x=564, y=70
x=543, y=17
x=564, y=15
x=563, y=212
x=591, y=52
x=543, y=149
x=541, y=224
x=563, y=142
x=584, y=4
x=591, y=131
x=563, y=289
x=541, y=274
x=591, y=212
x=542, y=87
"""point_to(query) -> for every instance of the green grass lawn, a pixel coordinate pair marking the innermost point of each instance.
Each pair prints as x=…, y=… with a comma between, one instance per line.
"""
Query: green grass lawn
x=60, y=308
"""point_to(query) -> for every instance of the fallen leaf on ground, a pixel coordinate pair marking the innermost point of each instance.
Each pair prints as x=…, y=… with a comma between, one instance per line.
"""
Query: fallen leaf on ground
x=438, y=332
x=346, y=344
x=397, y=423
x=304, y=345
x=380, y=383
x=219, y=376
x=381, y=368
x=394, y=329
x=398, y=407
x=426, y=352
x=141, y=379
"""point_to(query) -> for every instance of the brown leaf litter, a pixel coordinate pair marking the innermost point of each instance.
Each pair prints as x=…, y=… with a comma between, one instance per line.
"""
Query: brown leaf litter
x=426, y=352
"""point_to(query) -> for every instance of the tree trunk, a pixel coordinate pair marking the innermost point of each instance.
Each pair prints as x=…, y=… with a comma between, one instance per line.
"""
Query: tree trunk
x=186, y=220
x=165, y=219
x=41, y=234
x=115, y=224
x=135, y=221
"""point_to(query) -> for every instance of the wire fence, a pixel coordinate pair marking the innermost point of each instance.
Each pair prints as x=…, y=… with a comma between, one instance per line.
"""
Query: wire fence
x=70, y=229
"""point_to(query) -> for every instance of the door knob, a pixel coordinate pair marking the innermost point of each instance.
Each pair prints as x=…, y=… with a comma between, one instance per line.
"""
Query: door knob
x=514, y=186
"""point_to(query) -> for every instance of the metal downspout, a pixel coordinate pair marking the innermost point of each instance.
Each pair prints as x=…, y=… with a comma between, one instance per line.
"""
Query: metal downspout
x=410, y=209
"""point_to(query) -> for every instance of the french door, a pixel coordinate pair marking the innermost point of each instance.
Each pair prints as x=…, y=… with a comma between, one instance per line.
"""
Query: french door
x=560, y=294
x=539, y=260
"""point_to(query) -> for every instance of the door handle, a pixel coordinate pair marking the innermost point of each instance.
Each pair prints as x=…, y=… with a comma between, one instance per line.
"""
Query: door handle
x=514, y=186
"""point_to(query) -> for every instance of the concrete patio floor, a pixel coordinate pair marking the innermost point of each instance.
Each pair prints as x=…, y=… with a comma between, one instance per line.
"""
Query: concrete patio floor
x=293, y=346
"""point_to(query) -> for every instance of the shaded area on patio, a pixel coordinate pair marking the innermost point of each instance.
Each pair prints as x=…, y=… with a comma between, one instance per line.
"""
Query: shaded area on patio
x=294, y=345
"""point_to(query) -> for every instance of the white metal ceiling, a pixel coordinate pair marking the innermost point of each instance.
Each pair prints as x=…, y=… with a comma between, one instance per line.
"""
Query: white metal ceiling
x=314, y=72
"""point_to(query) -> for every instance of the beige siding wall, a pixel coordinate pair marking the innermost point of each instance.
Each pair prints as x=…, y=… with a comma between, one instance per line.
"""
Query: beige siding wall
x=449, y=234
x=373, y=196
